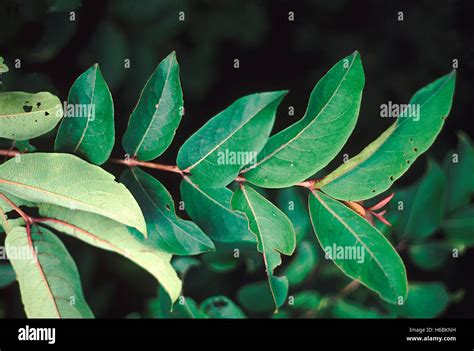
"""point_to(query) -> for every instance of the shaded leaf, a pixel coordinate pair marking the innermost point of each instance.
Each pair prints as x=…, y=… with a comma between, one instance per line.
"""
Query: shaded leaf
x=256, y=297
x=210, y=208
x=216, y=153
x=346, y=309
x=221, y=307
x=459, y=227
x=88, y=129
x=274, y=232
x=358, y=248
x=25, y=116
x=430, y=255
x=307, y=146
x=156, y=117
x=373, y=170
x=303, y=263
x=7, y=275
x=170, y=233
x=291, y=202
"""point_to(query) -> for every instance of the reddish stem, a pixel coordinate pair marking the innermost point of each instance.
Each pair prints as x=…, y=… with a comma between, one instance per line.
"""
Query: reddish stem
x=133, y=162
x=9, y=153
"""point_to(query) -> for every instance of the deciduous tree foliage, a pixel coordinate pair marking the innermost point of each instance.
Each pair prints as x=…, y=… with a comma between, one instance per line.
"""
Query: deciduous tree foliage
x=231, y=212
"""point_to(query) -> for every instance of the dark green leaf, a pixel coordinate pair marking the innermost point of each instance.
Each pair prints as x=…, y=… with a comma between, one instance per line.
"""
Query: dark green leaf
x=358, y=248
x=430, y=255
x=156, y=117
x=386, y=159
x=459, y=227
x=345, y=309
x=210, y=208
x=221, y=307
x=87, y=128
x=274, y=232
x=291, y=202
x=307, y=146
x=303, y=263
x=167, y=231
x=216, y=153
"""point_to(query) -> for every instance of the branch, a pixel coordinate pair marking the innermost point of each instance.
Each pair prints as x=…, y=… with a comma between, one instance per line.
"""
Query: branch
x=133, y=162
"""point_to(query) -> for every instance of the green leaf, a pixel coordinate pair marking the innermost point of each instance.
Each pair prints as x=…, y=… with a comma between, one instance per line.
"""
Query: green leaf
x=459, y=227
x=24, y=146
x=421, y=205
x=66, y=180
x=3, y=66
x=216, y=153
x=425, y=300
x=87, y=128
x=210, y=208
x=183, y=264
x=256, y=297
x=358, y=248
x=185, y=308
x=307, y=146
x=25, y=116
x=303, y=263
x=274, y=232
x=168, y=232
x=292, y=204
x=115, y=237
x=386, y=159
x=346, y=309
x=458, y=167
x=7, y=275
x=430, y=255
x=221, y=307
x=156, y=117
x=49, y=282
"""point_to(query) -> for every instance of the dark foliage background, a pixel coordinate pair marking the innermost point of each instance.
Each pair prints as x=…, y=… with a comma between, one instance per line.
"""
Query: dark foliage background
x=274, y=53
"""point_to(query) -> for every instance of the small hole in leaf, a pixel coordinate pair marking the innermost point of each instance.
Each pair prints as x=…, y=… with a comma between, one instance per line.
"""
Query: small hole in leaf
x=391, y=178
x=27, y=108
x=415, y=149
x=373, y=190
x=38, y=104
x=411, y=140
x=408, y=162
x=36, y=120
x=46, y=113
x=168, y=207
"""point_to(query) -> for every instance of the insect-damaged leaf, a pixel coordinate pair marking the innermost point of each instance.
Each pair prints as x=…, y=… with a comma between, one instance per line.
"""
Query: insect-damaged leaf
x=48, y=278
x=274, y=232
x=110, y=235
x=386, y=159
x=66, y=180
x=26, y=116
x=307, y=146
x=88, y=126
x=168, y=232
x=358, y=248
x=216, y=153
x=156, y=117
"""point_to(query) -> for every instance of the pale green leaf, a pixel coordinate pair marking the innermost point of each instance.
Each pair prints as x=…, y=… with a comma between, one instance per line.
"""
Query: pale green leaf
x=25, y=116
x=66, y=180
x=386, y=159
x=112, y=236
x=307, y=146
x=49, y=281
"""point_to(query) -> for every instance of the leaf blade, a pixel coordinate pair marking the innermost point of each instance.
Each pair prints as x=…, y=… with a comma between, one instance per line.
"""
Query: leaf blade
x=91, y=136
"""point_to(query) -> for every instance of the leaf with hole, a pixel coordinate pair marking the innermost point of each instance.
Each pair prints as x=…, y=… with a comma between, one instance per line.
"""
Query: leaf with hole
x=26, y=116
x=386, y=159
